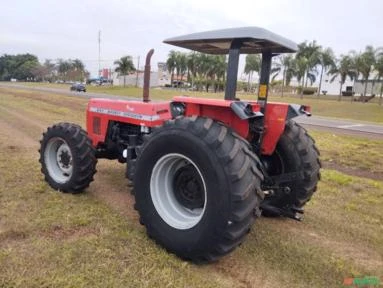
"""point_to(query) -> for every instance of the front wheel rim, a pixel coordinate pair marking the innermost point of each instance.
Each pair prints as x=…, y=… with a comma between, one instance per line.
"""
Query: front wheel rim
x=165, y=198
x=58, y=160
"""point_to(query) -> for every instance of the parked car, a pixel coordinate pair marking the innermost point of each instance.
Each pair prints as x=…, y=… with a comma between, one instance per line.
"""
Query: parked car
x=78, y=87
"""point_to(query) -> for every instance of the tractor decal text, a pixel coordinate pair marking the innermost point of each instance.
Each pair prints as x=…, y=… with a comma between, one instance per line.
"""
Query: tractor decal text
x=124, y=114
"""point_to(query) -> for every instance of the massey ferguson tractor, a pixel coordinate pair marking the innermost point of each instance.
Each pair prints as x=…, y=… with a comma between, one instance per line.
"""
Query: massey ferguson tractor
x=202, y=169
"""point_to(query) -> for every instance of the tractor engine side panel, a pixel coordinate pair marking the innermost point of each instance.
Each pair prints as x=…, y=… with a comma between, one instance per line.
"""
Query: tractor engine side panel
x=101, y=111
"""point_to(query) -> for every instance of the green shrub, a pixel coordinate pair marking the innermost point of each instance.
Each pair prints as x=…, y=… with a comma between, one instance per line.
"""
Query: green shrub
x=307, y=90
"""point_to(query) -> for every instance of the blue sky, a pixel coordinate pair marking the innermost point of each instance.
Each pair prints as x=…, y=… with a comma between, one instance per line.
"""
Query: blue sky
x=69, y=29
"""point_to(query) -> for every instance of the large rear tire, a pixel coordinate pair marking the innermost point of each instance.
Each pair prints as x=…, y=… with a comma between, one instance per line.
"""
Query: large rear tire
x=295, y=153
x=67, y=158
x=197, y=188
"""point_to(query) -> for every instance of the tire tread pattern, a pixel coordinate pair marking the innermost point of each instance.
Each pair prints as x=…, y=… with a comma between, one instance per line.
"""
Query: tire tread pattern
x=241, y=170
x=82, y=146
x=304, y=145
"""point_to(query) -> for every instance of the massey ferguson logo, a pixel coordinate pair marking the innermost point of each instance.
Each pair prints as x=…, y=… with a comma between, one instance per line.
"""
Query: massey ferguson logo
x=124, y=114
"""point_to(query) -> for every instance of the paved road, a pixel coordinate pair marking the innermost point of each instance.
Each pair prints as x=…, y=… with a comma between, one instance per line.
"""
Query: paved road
x=352, y=127
x=63, y=91
x=344, y=126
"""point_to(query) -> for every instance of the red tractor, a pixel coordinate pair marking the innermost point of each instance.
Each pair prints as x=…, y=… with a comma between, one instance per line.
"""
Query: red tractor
x=202, y=169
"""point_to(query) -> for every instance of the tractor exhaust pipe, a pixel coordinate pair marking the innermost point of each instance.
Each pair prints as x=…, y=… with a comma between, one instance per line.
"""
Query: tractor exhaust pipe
x=145, y=95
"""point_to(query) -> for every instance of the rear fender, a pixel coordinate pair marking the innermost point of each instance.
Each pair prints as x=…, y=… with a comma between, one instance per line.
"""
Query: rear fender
x=275, y=121
x=221, y=114
x=234, y=114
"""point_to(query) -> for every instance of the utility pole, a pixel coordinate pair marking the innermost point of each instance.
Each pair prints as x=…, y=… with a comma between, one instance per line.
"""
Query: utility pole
x=99, y=53
x=138, y=67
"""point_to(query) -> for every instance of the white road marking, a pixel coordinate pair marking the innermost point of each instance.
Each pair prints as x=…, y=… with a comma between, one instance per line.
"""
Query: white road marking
x=350, y=126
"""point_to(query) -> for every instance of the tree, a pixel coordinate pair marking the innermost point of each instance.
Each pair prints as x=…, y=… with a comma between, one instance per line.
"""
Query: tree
x=124, y=66
x=171, y=64
x=301, y=64
x=191, y=62
x=204, y=67
x=379, y=76
x=40, y=72
x=196, y=63
x=50, y=69
x=310, y=51
x=63, y=68
x=78, y=70
x=253, y=64
x=218, y=71
x=203, y=70
x=365, y=62
x=181, y=65
x=343, y=68
x=19, y=66
x=285, y=64
x=206, y=70
x=326, y=61
x=78, y=65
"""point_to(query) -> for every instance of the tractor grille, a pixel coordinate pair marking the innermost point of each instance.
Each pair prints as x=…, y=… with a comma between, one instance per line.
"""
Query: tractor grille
x=129, y=129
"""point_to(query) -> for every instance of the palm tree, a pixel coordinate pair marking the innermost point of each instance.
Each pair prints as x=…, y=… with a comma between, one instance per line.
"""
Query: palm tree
x=253, y=64
x=171, y=64
x=204, y=70
x=209, y=72
x=49, y=68
x=181, y=65
x=63, y=67
x=379, y=76
x=197, y=66
x=301, y=64
x=218, y=71
x=124, y=66
x=343, y=69
x=285, y=65
x=326, y=61
x=191, y=62
x=365, y=63
x=79, y=67
x=311, y=52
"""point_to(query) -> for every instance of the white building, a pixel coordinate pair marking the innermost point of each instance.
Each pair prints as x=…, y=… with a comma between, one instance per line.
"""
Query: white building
x=157, y=78
x=373, y=87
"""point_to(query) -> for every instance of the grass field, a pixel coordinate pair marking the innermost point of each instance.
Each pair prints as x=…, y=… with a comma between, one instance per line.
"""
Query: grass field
x=50, y=239
x=324, y=106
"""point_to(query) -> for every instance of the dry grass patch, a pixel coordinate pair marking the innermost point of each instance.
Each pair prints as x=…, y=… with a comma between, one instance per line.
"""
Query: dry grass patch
x=50, y=239
x=324, y=106
x=350, y=154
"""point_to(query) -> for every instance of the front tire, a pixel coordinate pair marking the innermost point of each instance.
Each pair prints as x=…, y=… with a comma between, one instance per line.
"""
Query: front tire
x=67, y=158
x=197, y=188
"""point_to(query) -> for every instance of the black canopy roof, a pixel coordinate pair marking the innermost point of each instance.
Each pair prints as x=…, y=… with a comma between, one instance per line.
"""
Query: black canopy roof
x=254, y=40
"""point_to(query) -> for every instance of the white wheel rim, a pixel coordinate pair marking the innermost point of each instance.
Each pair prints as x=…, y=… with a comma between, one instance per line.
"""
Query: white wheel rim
x=58, y=160
x=162, y=192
